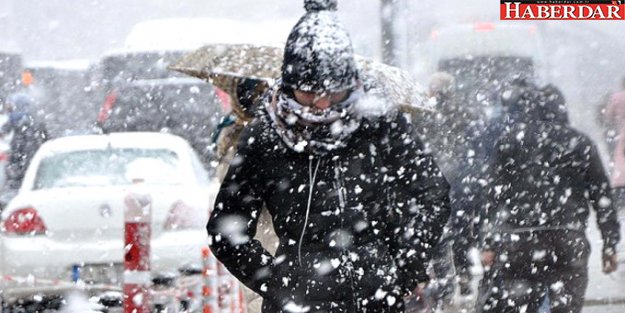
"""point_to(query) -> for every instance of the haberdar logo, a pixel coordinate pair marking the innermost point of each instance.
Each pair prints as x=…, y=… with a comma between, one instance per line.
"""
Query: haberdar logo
x=562, y=10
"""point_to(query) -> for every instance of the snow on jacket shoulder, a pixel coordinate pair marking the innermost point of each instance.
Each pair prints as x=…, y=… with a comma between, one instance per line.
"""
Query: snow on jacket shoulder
x=353, y=223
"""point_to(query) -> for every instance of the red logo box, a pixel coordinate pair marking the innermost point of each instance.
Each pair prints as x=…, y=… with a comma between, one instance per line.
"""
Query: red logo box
x=562, y=10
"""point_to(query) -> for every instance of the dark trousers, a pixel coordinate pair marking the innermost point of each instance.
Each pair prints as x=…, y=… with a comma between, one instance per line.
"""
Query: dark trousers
x=532, y=265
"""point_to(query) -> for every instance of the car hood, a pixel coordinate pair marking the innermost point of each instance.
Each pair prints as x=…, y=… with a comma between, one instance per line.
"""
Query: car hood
x=97, y=213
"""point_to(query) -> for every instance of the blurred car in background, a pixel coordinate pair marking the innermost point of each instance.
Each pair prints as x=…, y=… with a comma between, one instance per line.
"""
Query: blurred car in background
x=187, y=107
x=483, y=57
x=139, y=93
x=69, y=211
x=119, y=67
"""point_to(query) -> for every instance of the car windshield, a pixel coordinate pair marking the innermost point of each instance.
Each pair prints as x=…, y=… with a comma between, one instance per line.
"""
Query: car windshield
x=108, y=167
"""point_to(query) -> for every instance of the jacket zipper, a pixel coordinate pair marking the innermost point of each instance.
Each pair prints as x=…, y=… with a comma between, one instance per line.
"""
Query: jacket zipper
x=340, y=187
x=312, y=176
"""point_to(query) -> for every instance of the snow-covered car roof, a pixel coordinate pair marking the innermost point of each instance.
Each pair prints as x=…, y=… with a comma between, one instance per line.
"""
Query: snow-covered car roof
x=179, y=81
x=146, y=140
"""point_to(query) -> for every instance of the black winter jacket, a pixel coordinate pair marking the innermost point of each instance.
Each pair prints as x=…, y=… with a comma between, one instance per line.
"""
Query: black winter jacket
x=546, y=176
x=356, y=227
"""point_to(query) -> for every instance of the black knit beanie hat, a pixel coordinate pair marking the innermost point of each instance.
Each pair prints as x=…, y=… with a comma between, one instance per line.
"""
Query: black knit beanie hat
x=318, y=56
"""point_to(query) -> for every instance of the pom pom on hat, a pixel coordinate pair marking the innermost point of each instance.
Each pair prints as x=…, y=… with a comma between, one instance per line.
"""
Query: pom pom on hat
x=320, y=5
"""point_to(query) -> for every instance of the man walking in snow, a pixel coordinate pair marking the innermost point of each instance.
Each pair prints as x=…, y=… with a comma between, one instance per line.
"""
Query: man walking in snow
x=356, y=203
x=545, y=177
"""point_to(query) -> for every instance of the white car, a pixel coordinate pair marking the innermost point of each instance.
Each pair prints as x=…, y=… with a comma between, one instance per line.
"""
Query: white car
x=67, y=220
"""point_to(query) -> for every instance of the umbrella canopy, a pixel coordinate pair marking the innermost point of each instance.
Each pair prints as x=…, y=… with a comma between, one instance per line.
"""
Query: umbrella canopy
x=222, y=64
x=393, y=85
x=226, y=65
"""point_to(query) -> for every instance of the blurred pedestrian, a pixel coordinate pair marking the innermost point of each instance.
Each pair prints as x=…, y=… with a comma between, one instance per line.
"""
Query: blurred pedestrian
x=615, y=123
x=28, y=133
x=546, y=175
x=444, y=133
x=356, y=203
x=614, y=114
x=477, y=173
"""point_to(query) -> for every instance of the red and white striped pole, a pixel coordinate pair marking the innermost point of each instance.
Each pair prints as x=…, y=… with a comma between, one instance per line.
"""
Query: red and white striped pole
x=210, y=283
x=137, y=232
x=242, y=302
x=225, y=289
x=234, y=293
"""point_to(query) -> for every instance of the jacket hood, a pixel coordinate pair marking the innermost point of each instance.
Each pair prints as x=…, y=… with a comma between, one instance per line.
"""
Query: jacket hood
x=553, y=105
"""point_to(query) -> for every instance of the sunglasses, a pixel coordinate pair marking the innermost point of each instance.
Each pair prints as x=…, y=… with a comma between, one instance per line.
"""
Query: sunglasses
x=310, y=99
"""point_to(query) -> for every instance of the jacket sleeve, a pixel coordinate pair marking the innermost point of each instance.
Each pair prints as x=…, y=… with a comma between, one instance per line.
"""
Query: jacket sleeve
x=475, y=174
x=232, y=224
x=419, y=203
x=601, y=200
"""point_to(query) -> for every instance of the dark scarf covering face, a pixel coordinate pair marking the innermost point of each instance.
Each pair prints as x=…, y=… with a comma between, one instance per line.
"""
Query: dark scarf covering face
x=314, y=131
